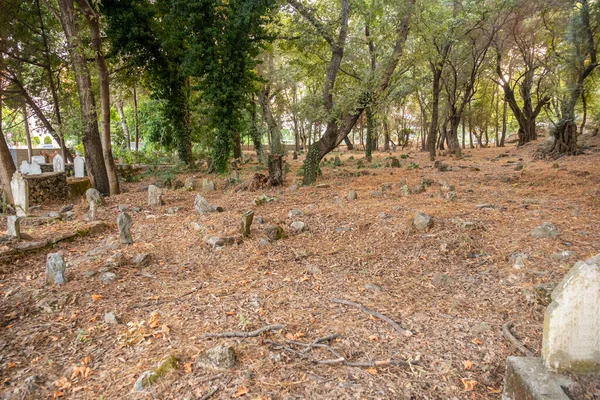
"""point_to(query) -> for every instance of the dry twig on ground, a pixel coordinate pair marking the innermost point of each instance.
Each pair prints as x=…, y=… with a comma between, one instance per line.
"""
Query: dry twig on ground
x=375, y=314
x=508, y=334
x=242, y=334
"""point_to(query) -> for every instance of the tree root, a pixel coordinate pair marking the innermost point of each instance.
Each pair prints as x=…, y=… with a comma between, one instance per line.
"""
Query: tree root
x=375, y=314
x=242, y=334
x=507, y=334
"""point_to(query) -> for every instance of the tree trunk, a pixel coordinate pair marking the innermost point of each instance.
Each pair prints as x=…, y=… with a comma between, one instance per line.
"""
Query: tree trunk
x=66, y=154
x=136, y=126
x=349, y=144
x=7, y=165
x=27, y=132
x=275, y=169
x=583, y=119
x=370, y=135
x=237, y=146
x=504, y=117
x=123, y=120
x=90, y=137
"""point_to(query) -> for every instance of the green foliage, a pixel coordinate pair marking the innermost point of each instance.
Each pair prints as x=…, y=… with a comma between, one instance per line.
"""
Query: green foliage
x=412, y=165
x=263, y=199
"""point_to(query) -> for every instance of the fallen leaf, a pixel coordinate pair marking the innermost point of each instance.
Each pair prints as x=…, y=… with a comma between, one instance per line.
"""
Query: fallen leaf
x=153, y=298
x=57, y=394
x=372, y=371
x=477, y=341
x=187, y=367
x=469, y=384
x=96, y=297
x=153, y=321
x=230, y=313
x=241, y=391
x=494, y=391
x=467, y=364
x=10, y=365
x=62, y=383
x=86, y=360
x=374, y=338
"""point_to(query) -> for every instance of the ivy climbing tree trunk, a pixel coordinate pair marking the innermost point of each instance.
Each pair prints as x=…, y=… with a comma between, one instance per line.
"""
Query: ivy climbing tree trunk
x=87, y=105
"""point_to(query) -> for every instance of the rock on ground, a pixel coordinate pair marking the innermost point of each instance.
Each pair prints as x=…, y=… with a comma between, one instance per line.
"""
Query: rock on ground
x=218, y=357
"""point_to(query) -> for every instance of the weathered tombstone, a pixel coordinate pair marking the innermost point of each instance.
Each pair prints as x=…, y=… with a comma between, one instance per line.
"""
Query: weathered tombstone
x=422, y=221
x=246, y=222
x=13, y=226
x=38, y=159
x=25, y=168
x=351, y=195
x=203, y=206
x=78, y=167
x=34, y=168
x=124, y=225
x=571, y=341
x=20, y=192
x=58, y=164
x=208, y=185
x=94, y=196
x=154, y=196
x=55, y=269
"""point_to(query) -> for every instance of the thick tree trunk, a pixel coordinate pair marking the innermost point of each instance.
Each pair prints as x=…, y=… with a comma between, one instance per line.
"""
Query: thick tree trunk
x=237, y=146
x=583, y=119
x=264, y=100
x=91, y=137
x=255, y=135
x=504, y=117
x=349, y=144
x=124, y=125
x=435, y=109
x=7, y=165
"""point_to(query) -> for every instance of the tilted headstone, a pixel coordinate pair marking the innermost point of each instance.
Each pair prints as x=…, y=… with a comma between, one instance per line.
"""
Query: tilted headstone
x=34, y=168
x=203, y=206
x=124, y=224
x=58, y=164
x=571, y=341
x=78, y=167
x=154, y=196
x=25, y=168
x=20, y=192
x=13, y=226
x=55, y=269
x=246, y=222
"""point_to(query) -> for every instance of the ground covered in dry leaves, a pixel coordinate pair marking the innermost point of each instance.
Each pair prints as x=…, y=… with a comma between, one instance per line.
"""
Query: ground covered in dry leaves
x=452, y=288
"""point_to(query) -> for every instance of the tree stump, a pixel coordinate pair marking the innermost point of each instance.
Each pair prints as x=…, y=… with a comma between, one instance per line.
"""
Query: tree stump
x=275, y=170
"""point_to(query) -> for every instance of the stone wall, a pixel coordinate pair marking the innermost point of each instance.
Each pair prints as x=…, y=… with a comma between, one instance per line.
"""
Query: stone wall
x=47, y=187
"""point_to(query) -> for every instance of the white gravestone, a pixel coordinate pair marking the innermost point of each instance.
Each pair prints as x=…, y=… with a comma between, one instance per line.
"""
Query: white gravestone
x=24, y=167
x=13, y=226
x=571, y=341
x=78, y=165
x=20, y=192
x=38, y=159
x=58, y=164
x=34, y=168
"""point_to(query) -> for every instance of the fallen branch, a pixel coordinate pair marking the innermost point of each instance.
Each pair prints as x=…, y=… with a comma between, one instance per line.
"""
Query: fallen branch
x=339, y=358
x=363, y=364
x=508, y=334
x=375, y=314
x=242, y=334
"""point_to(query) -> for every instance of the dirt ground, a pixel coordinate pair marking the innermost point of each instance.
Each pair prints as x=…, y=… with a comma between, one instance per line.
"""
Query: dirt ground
x=452, y=288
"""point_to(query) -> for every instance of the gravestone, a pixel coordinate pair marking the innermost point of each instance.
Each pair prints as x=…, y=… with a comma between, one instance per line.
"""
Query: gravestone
x=78, y=167
x=25, y=168
x=154, y=196
x=208, y=185
x=34, y=168
x=246, y=222
x=58, y=164
x=124, y=225
x=571, y=341
x=13, y=226
x=55, y=269
x=38, y=159
x=203, y=206
x=20, y=192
